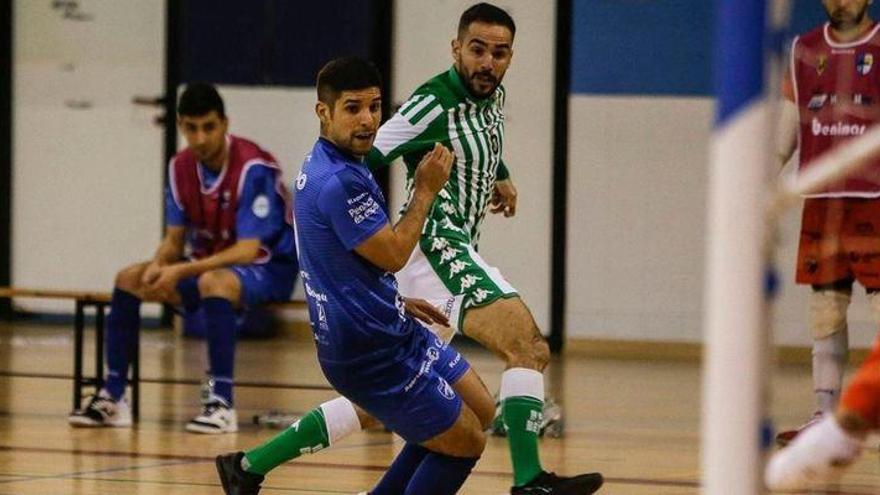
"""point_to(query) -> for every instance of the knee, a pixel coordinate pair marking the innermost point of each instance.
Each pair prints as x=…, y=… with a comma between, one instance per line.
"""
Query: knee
x=828, y=312
x=529, y=351
x=366, y=420
x=218, y=283
x=473, y=443
x=129, y=278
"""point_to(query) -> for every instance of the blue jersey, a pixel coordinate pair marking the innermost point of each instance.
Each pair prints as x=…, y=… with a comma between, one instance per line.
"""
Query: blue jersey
x=354, y=307
x=260, y=212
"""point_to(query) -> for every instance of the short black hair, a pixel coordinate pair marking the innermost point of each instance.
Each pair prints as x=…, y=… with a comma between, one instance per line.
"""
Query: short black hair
x=346, y=74
x=200, y=99
x=486, y=13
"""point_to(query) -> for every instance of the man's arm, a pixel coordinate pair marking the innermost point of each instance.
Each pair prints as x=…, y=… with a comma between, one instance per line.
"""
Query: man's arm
x=786, y=133
x=789, y=117
x=390, y=248
x=243, y=252
x=414, y=128
x=170, y=250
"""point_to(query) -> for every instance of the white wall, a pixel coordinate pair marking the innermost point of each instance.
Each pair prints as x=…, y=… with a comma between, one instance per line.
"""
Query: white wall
x=637, y=194
x=87, y=164
x=521, y=246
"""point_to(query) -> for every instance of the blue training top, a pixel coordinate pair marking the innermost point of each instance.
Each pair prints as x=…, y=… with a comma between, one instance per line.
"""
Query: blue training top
x=355, y=310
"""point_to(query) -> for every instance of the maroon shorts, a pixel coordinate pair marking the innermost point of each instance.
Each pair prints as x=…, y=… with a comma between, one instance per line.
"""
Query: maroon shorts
x=840, y=239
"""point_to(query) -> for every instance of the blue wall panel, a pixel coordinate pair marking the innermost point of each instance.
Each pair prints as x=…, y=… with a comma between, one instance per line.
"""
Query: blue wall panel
x=653, y=47
x=270, y=42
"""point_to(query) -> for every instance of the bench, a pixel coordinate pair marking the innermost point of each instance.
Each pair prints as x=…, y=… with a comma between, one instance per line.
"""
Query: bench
x=100, y=301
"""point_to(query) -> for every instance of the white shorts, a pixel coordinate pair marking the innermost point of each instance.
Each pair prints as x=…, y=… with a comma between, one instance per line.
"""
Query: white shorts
x=453, y=277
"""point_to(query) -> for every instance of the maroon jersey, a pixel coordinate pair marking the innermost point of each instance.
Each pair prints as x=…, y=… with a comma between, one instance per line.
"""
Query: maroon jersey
x=836, y=87
x=211, y=211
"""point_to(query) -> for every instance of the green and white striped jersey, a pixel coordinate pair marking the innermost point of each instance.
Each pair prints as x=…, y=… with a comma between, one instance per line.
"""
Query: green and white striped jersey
x=442, y=110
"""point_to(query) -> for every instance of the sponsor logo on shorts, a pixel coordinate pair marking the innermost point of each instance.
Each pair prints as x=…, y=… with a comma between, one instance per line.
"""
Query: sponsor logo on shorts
x=450, y=304
x=432, y=354
x=468, y=281
x=457, y=266
x=455, y=360
x=448, y=254
x=445, y=390
x=481, y=294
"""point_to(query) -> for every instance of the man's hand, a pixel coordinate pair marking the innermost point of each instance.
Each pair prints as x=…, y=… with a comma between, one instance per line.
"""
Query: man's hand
x=165, y=284
x=504, y=198
x=425, y=311
x=151, y=273
x=433, y=171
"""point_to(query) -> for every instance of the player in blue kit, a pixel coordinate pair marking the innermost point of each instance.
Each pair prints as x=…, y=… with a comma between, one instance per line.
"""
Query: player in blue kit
x=369, y=348
x=226, y=201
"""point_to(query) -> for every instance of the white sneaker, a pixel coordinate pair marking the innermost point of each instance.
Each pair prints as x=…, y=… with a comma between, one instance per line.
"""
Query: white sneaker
x=783, y=438
x=819, y=454
x=216, y=417
x=102, y=410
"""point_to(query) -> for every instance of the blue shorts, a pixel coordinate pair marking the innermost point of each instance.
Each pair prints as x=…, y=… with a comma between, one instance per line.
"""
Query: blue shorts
x=270, y=282
x=411, y=395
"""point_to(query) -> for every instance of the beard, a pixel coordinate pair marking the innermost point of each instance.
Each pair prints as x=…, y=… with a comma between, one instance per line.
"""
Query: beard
x=477, y=81
x=840, y=19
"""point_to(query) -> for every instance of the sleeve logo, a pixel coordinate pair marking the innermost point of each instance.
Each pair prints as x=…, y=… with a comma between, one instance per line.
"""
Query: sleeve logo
x=301, y=181
x=261, y=206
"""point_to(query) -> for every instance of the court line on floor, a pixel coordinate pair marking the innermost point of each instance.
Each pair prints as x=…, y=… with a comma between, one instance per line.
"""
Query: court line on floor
x=78, y=474
x=305, y=464
x=183, y=459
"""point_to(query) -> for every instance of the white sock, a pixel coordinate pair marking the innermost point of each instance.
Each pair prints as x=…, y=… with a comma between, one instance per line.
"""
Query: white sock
x=815, y=456
x=519, y=382
x=341, y=419
x=830, y=356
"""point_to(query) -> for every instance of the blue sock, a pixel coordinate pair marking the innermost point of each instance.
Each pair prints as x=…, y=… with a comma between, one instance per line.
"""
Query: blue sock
x=401, y=470
x=123, y=323
x=440, y=474
x=220, y=323
x=190, y=298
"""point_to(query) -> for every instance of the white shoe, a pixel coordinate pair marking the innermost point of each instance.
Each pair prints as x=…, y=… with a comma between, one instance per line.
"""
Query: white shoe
x=216, y=417
x=102, y=410
x=819, y=454
x=783, y=438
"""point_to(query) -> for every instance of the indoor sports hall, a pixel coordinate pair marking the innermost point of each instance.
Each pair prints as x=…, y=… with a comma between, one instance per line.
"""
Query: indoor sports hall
x=687, y=218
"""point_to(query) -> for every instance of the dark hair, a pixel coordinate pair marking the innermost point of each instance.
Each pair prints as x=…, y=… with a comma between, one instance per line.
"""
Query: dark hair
x=346, y=74
x=486, y=13
x=200, y=99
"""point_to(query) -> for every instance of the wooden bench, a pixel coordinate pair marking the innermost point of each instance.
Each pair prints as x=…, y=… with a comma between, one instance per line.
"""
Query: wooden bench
x=101, y=301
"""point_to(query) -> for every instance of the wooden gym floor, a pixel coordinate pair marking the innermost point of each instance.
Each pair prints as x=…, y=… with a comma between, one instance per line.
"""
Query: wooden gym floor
x=635, y=421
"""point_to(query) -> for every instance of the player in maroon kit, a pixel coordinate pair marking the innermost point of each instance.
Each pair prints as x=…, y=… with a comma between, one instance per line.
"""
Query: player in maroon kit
x=833, y=94
x=226, y=202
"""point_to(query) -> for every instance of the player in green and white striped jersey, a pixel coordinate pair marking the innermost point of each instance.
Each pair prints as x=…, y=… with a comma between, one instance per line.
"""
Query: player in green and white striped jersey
x=462, y=108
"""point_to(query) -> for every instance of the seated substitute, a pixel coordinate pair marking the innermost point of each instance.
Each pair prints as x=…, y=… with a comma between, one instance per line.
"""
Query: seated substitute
x=227, y=203
x=369, y=348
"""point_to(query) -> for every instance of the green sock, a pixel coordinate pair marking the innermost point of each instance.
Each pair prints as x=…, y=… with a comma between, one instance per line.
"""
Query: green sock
x=523, y=416
x=306, y=436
